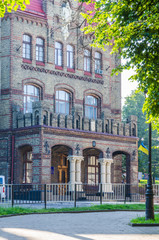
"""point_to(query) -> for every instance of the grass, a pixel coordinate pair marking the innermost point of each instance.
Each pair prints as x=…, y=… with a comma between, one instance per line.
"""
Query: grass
x=141, y=220
x=20, y=210
x=144, y=181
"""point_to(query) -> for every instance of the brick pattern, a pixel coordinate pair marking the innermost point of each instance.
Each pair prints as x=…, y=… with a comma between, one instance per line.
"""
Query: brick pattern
x=21, y=129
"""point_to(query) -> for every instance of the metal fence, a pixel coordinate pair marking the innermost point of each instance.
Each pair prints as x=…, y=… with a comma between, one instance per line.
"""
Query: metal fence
x=16, y=194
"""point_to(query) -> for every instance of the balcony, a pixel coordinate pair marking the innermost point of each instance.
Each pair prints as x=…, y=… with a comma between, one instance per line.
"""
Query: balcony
x=43, y=116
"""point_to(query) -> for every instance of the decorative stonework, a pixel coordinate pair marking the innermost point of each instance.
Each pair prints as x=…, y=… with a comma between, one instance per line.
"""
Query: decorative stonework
x=61, y=74
x=46, y=146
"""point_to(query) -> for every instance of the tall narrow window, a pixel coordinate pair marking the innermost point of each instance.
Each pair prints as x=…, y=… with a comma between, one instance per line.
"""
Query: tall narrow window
x=87, y=60
x=93, y=171
x=62, y=102
x=26, y=46
x=70, y=56
x=27, y=167
x=91, y=105
x=31, y=94
x=58, y=54
x=40, y=50
x=98, y=63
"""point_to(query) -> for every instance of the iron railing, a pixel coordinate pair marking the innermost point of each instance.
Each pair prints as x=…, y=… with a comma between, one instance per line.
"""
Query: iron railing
x=17, y=194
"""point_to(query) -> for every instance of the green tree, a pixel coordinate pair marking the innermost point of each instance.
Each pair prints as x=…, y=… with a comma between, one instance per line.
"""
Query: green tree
x=133, y=106
x=10, y=5
x=131, y=28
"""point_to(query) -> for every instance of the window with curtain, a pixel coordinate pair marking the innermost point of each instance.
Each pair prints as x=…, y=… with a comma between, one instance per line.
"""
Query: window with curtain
x=27, y=46
x=58, y=54
x=40, y=50
x=62, y=102
x=31, y=94
x=91, y=107
x=98, y=63
x=87, y=60
x=70, y=56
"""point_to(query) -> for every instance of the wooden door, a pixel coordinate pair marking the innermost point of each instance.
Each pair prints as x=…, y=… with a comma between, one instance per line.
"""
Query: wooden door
x=63, y=169
x=63, y=173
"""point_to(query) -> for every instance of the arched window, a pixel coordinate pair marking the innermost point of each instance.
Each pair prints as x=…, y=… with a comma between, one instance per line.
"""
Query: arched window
x=27, y=166
x=70, y=56
x=93, y=170
x=91, y=107
x=27, y=46
x=36, y=117
x=40, y=50
x=87, y=60
x=31, y=94
x=58, y=54
x=62, y=102
x=98, y=63
x=45, y=118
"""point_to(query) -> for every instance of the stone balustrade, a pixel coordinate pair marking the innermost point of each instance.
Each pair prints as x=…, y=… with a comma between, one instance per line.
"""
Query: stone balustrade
x=41, y=115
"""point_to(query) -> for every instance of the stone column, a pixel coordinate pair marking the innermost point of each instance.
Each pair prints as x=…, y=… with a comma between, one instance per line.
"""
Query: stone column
x=105, y=164
x=102, y=170
x=108, y=164
x=72, y=172
x=79, y=159
x=75, y=170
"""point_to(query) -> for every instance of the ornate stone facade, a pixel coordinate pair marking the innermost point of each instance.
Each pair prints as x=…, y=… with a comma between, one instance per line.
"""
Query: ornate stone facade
x=42, y=140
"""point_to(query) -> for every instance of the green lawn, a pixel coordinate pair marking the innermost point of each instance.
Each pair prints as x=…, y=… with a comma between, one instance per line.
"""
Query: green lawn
x=143, y=181
x=142, y=220
x=19, y=210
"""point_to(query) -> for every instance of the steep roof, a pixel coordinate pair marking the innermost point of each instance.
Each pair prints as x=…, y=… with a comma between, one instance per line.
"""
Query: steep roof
x=35, y=9
x=35, y=6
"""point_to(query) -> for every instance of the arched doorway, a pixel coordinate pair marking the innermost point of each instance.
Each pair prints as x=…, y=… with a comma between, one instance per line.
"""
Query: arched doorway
x=25, y=175
x=60, y=164
x=121, y=167
x=91, y=166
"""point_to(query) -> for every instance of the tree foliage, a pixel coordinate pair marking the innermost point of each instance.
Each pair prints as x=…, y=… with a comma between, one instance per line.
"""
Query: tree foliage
x=131, y=28
x=10, y=5
x=133, y=106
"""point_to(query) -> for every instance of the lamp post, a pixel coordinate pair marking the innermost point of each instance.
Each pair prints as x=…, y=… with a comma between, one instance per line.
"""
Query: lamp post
x=149, y=189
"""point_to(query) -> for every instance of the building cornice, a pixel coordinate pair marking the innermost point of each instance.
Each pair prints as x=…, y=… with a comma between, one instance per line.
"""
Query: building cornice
x=73, y=133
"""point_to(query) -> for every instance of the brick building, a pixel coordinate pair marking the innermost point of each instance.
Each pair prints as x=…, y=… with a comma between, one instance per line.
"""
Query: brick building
x=60, y=109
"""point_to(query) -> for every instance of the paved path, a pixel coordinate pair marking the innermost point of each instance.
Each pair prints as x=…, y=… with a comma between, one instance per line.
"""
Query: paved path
x=81, y=226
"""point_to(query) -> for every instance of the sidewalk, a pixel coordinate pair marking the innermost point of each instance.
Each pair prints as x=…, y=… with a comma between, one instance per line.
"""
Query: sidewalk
x=83, y=226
